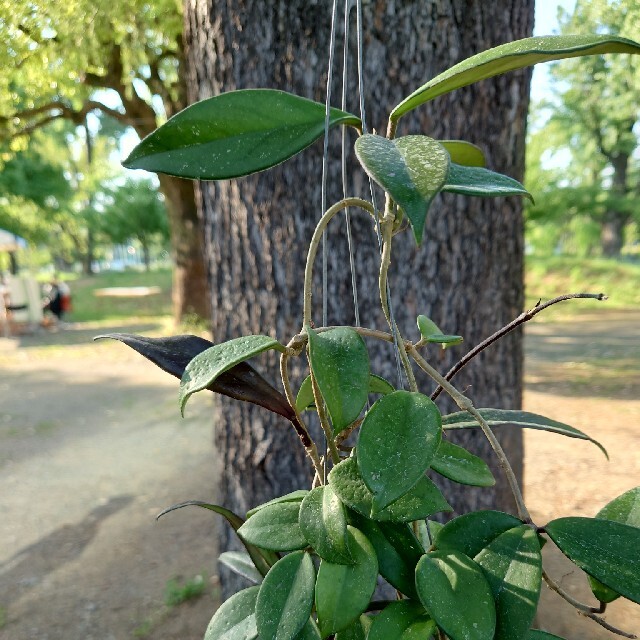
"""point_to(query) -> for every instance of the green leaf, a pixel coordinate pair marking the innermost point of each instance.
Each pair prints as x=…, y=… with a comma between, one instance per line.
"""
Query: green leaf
x=398, y=440
x=397, y=550
x=500, y=417
x=412, y=169
x=423, y=500
x=343, y=591
x=444, y=340
x=323, y=521
x=208, y=365
x=234, y=134
x=305, y=399
x=511, y=56
x=472, y=532
x=340, y=363
x=310, y=631
x=285, y=599
x=624, y=509
x=455, y=592
x=604, y=549
x=464, y=153
x=275, y=527
x=427, y=326
x=513, y=567
x=402, y=620
x=355, y=631
x=241, y=564
x=261, y=559
x=461, y=466
x=235, y=619
x=477, y=181
x=295, y=496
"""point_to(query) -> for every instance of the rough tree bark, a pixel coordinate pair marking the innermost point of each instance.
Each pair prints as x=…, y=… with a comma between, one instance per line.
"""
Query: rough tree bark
x=615, y=221
x=468, y=276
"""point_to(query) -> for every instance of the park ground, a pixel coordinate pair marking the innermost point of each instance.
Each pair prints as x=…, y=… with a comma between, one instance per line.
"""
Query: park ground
x=92, y=448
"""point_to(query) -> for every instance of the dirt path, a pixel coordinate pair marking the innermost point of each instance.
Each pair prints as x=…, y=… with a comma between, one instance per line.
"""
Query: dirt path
x=92, y=448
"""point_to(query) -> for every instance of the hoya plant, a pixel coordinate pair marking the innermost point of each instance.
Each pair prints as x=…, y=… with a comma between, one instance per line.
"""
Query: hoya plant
x=315, y=556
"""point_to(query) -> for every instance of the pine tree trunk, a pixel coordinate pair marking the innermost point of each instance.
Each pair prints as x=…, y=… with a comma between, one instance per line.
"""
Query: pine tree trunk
x=468, y=276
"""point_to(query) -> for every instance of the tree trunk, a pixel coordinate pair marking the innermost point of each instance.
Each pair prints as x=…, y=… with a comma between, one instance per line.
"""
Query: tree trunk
x=468, y=276
x=615, y=221
x=190, y=290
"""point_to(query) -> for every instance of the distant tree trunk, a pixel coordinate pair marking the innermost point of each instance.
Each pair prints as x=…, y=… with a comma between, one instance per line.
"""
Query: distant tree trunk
x=87, y=262
x=146, y=258
x=615, y=221
x=468, y=276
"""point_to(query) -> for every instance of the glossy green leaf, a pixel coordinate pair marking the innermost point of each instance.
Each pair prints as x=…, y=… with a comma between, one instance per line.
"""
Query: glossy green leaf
x=295, y=496
x=235, y=619
x=427, y=326
x=536, y=634
x=455, y=592
x=340, y=363
x=323, y=521
x=285, y=599
x=234, y=134
x=261, y=558
x=477, y=181
x=624, y=509
x=412, y=169
x=512, y=565
x=500, y=417
x=398, y=440
x=461, y=466
x=464, y=153
x=310, y=631
x=444, y=340
x=241, y=564
x=305, y=399
x=402, y=620
x=397, y=550
x=607, y=550
x=423, y=500
x=343, y=591
x=355, y=631
x=208, y=365
x=511, y=56
x=472, y=532
x=275, y=527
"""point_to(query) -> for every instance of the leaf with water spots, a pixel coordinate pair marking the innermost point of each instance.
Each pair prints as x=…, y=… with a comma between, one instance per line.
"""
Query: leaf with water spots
x=340, y=364
x=477, y=181
x=295, y=496
x=241, y=564
x=323, y=521
x=512, y=565
x=398, y=440
x=234, y=134
x=624, y=509
x=421, y=501
x=203, y=370
x=275, y=527
x=285, y=599
x=402, y=620
x=511, y=56
x=343, y=591
x=412, y=169
x=606, y=550
x=236, y=617
x=454, y=590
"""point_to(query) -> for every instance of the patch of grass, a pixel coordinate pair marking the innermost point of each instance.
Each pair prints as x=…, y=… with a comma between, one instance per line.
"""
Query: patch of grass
x=89, y=308
x=176, y=592
x=3, y=617
x=548, y=277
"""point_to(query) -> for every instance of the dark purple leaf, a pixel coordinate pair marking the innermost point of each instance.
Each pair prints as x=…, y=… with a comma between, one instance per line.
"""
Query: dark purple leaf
x=241, y=382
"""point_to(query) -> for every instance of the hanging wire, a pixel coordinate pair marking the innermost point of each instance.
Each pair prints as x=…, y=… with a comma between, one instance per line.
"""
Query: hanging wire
x=396, y=344
x=347, y=215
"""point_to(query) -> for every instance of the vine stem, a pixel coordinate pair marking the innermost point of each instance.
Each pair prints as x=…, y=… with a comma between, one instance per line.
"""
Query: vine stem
x=324, y=422
x=466, y=405
x=301, y=429
x=609, y=627
x=315, y=242
x=554, y=586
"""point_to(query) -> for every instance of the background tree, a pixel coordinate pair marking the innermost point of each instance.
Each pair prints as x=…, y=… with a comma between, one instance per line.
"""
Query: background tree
x=467, y=277
x=65, y=60
x=592, y=129
x=135, y=210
